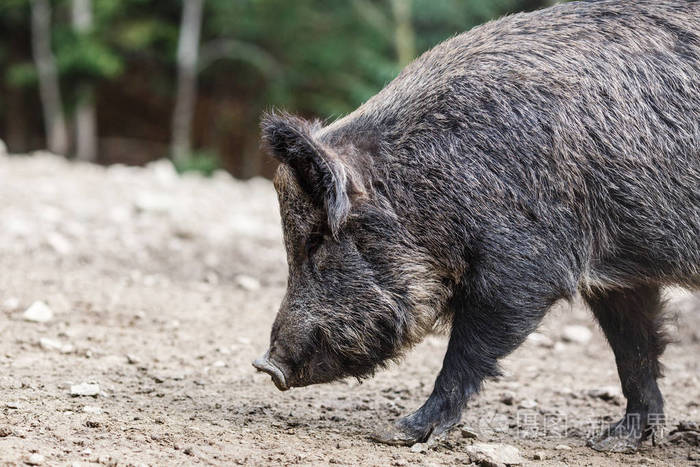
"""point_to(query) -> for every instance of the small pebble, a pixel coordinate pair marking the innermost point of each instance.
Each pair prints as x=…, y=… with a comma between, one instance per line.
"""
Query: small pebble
x=38, y=312
x=527, y=404
x=577, y=334
x=11, y=304
x=35, y=459
x=85, y=389
x=92, y=409
x=248, y=283
x=562, y=447
x=419, y=447
x=152, y=202
x=59, y=243
x=508, y=397
x=494, y=454
x=50, y=344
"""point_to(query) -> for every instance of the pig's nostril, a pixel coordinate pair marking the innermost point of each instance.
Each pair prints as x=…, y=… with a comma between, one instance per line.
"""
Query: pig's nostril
x=265, y=365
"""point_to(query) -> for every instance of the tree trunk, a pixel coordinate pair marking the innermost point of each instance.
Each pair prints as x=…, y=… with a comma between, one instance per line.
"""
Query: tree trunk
x=404, y=35
x=250, y=159
x=16, y=129
x=187, y=53
x=85, y=112
x=49, y=90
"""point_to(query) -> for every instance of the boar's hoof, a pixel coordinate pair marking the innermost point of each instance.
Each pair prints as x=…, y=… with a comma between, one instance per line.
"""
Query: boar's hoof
x=617, y=438
x=401, y=434
x=614, y=443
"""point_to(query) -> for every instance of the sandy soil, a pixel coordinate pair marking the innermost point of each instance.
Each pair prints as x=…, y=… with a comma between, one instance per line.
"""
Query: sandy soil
x=163, y=291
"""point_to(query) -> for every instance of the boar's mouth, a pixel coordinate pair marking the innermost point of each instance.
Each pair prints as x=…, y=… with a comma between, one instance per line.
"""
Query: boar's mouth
x=266, y=365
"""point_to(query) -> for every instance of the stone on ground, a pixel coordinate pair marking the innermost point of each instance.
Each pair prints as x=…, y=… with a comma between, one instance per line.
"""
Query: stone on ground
x=494, y=454
x=39, y=312
x=577, y=334
x=85, y=389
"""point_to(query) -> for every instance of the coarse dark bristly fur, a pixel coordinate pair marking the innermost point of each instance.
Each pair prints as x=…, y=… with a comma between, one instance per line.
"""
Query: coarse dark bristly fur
x=533, y=158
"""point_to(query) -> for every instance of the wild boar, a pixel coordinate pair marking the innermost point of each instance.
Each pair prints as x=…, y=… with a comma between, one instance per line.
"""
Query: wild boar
x=533, y=158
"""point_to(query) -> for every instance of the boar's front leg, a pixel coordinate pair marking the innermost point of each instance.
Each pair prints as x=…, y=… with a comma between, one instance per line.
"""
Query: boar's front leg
x=483, y=330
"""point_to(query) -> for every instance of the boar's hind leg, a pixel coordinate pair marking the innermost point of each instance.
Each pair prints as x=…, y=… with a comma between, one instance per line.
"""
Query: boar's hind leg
x=631, y=320
x=482, y=332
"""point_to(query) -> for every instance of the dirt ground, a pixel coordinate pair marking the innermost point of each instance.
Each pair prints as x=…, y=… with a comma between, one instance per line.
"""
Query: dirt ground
x=163, y=290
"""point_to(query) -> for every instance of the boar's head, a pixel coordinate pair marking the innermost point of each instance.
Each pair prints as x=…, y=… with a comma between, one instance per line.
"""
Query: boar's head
x=359, y=291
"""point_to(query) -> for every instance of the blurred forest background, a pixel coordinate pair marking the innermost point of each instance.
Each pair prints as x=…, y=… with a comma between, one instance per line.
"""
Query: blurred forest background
x=131, y=81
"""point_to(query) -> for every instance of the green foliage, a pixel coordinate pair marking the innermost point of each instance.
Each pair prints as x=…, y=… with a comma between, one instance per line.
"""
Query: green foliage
x=21, y=75
x=327, y=58
x=203, y=162
x=332, y=55
x=15, y=9
x=86, y=58
x=320, y=58
x=141, y=33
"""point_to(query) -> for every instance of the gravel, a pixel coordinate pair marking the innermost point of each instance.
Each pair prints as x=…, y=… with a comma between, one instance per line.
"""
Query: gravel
x=141, y=265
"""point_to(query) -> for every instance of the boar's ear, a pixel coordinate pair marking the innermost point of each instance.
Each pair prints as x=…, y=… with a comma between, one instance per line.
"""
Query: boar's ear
x=318, y=170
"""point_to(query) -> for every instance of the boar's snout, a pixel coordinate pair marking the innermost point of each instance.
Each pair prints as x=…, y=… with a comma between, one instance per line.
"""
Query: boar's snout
x=273, y=369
